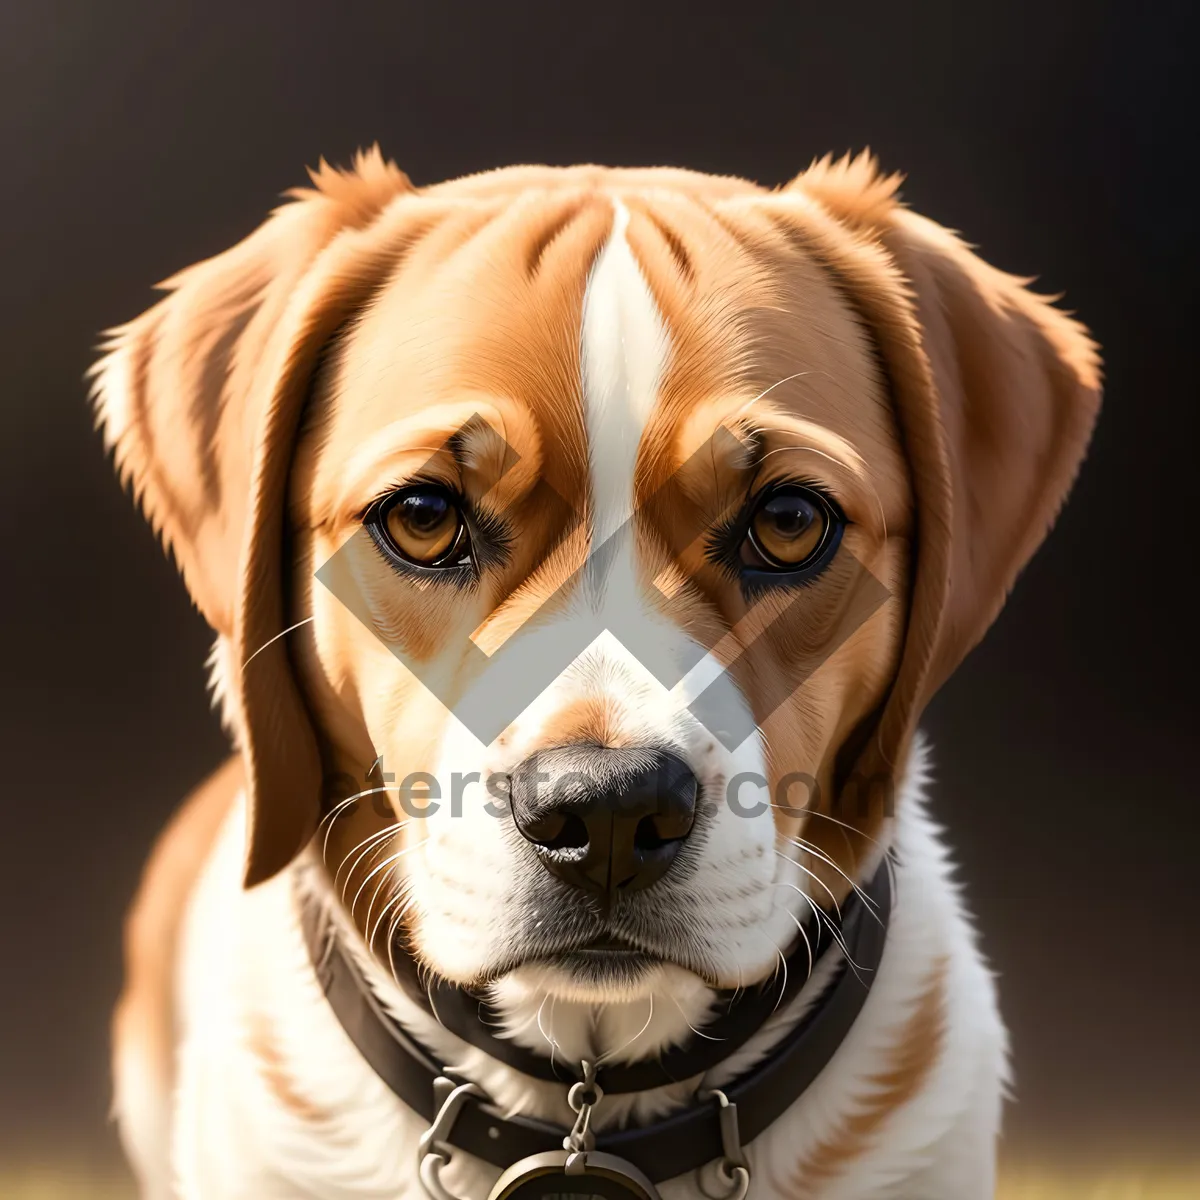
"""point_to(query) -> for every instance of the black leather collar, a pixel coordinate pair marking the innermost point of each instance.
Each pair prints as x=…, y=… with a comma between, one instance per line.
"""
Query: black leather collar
x=676, y=1145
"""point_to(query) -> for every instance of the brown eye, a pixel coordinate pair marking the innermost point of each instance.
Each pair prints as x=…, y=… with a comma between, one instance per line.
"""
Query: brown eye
x=789, y=528
x=424, y=524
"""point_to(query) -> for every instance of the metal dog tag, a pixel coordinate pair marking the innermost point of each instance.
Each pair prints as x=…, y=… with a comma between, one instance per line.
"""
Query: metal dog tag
x=570, y=1175
x=578, y=1171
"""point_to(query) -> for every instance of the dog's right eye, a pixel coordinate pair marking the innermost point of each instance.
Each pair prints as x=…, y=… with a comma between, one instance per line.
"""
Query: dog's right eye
x=423, y=525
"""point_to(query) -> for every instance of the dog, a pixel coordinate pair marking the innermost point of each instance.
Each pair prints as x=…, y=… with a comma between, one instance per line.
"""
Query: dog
x=582, y=546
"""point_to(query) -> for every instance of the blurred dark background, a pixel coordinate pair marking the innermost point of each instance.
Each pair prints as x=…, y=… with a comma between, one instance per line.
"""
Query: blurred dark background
x=1058, y=137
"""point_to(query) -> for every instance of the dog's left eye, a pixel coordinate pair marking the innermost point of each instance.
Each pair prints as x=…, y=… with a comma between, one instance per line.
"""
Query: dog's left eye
x=423, y=525
x=791, y=529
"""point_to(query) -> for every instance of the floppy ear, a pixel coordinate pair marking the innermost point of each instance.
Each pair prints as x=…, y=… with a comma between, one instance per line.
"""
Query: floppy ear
x=1017, y=386
x=199, y=398
x=996, y=392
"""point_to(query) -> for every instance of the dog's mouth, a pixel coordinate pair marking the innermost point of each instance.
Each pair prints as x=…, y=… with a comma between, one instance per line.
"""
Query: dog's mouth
x=579, y=948
x=609, y=944
x=607, y=960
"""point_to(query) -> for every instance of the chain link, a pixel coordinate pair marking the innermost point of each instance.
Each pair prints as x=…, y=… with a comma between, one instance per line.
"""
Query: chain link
x=732, y=1170
x=583, y=1097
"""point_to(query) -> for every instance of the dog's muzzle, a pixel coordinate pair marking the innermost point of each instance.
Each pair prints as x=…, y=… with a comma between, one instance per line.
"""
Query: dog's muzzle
x=606, y=821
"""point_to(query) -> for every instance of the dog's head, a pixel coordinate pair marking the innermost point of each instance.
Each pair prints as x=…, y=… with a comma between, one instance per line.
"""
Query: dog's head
x=622, y=522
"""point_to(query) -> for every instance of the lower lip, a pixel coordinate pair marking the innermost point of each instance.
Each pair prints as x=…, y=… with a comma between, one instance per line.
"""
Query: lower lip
x=624, y=959
x=611, y=946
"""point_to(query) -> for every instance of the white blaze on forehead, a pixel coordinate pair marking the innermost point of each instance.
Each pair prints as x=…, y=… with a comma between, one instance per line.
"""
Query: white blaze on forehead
x=625, y=348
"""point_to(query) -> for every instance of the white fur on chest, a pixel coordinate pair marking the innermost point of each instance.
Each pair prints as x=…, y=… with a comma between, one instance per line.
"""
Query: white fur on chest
x=245, y=968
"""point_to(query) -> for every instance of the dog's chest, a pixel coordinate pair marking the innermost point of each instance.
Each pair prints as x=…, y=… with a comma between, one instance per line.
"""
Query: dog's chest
x=272, y=1090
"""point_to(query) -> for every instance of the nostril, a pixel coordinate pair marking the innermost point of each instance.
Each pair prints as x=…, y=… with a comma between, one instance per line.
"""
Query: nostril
x=557, y=831
x=543, y=828
x=648, y=836
x=572, y=836
x=658, y=831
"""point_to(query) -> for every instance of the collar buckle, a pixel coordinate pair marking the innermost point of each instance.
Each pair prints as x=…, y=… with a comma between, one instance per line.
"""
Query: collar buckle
x=434, y=1148
x=732, y=1169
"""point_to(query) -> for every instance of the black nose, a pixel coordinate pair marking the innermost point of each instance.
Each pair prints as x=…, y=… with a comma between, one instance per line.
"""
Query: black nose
x=607, y=821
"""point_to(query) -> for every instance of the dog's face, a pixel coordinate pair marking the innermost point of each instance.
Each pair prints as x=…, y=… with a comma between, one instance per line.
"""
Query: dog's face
x=608, y=440
x=623, y=522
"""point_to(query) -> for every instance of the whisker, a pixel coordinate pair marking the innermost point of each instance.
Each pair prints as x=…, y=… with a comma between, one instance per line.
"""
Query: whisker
x=370, y=843
x=800, y=926
x=387, y=862
x=768, y=391
x=384, y=880
x=432, y=1005
x=809, y=848
x=332, y=815
x=815, y=878
x=707, y=1036
x=783, y=989
x=516, y=1028
x=333, y=812
x=372, y=931
x=781, y=964
x=618, y=1049
x=840, y=941
x=499, y=1023
x=835, y=933
x=833, y=379
x=401, y=885
x=823, y=917
x=553, y=1006
x=542, y=1029
x=809, y=812
x=807, y=449
x=272, y=641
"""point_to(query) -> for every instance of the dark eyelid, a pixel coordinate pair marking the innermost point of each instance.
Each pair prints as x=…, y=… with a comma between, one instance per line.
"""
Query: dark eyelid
x=725, y=541
x=489, y=539
x=372, y=507
x=757, y=492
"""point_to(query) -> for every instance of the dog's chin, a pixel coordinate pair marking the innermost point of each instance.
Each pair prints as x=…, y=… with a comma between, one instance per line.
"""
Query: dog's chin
x=604, y=969
x=598, y=975
x=585, y=1003
x=595, y=976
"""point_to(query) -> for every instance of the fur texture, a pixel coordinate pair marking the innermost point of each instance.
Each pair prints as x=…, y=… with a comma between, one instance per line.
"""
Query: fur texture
x=609, y=369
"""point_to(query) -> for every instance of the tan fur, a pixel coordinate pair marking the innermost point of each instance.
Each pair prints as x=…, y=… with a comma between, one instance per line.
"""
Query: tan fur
x=273, y=1070
x=742, y=289
x=854, y=187
x=594, y=720
x=820, y=332
x=144, y=1023
x=222, y=317
x=770, y=291
x=913, y=1054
